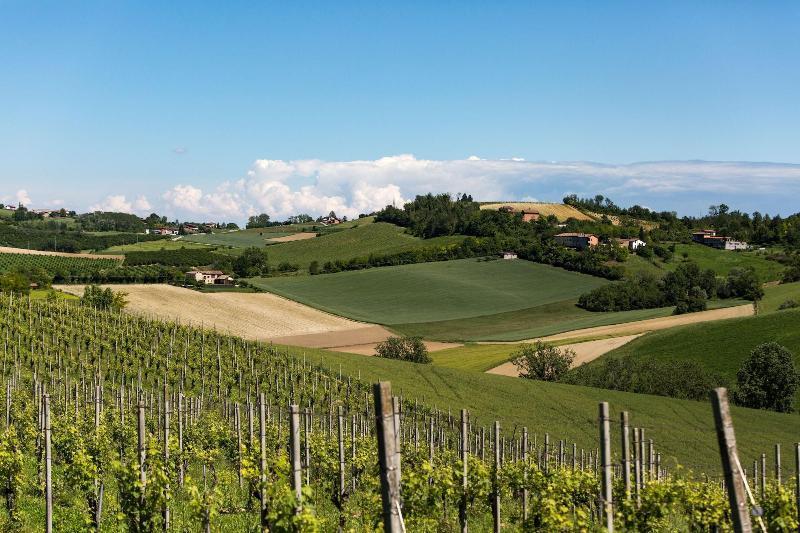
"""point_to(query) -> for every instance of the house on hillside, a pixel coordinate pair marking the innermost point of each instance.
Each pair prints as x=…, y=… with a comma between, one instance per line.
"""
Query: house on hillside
x=209, y=277
x=709, y=237
x=578, y=241
x=509, y=255
x=631, y=244
x=162, y=231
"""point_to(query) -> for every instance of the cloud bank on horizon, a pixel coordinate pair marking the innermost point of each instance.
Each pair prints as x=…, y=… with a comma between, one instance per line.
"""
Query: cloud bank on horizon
x=283, y=188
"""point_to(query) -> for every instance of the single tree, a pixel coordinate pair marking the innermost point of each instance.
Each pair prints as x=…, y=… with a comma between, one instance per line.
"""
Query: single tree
x=768, y=379
x=542, y=361
x=410, y=349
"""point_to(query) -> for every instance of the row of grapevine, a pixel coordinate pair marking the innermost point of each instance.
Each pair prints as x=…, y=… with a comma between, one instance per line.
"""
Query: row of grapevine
x=118, y=422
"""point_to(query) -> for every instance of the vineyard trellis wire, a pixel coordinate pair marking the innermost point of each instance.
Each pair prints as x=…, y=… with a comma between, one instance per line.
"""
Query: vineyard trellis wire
x=157, y=425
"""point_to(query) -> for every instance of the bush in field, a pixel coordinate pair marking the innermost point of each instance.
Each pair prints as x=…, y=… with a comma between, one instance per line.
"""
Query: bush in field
x=788, y=304
x=768, y=379
x=99, y=298
x=404, y=348
x=693, y=302
x=542, y=361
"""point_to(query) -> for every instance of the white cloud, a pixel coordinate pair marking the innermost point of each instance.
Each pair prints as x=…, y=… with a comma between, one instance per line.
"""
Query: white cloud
x=287, y=187
x=23, y=197
x=119, y=204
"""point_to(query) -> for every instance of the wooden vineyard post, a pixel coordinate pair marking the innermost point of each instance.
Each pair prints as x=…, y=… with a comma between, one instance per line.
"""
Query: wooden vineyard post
x=353, y=452
x=525, y=473
x=390, y=483
x=730, y=461
x=797, y=479
x=398, y=445
x=48, y=467
x=462, y=511
x=262, y=437
x=141, y=449
x=605, y=451
x=237, y=421
x=495, y=480
x=167, y=412
x=341, y=488
x=778, y=463
x=637, y=467
x=294, y=448
x=180, y=439
x=626, y=454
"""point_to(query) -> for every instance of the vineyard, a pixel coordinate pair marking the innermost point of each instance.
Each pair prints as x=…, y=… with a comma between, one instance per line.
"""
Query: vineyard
x=60, y=267
x=184, y=257
x=115, y=422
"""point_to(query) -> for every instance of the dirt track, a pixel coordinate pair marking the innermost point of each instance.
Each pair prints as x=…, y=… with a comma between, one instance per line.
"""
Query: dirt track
x=652, y=324
x=258, y=316
x=25, y=251
x=584, y=352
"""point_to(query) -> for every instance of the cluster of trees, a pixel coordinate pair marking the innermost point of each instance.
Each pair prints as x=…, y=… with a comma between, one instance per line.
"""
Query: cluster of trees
x=110, y=221
x=263, y=220
x=252, y=262
x=767, y=379
x=106, y=299
x=410, y=349
x=605, y=206
x=688, y=288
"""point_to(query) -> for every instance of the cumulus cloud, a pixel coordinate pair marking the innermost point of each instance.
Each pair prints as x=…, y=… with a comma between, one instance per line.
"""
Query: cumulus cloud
x=288, y=187
x=23, y=197
x=120, y=204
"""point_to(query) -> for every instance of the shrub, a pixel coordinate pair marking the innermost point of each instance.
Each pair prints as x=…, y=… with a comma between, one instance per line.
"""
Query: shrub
x=742, y=283
x=313, y=268
x=410, y=349
x=693, y=302
x=768, y=379
x=542, y=361
x=788, y=304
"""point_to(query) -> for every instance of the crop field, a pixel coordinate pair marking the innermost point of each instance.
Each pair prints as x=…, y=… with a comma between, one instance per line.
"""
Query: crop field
x=722, y=261
x=361, y=241
x=434, y=291
x=561, y=211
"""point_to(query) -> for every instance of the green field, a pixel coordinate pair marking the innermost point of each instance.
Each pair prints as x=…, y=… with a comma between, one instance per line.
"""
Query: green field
x=679, y=428
x=361, y=241
x=474, y=357
x=237, y=238
x=720, y=346
x=722, y=261
x=461, y=300
x=434, y=291
x=775, y=295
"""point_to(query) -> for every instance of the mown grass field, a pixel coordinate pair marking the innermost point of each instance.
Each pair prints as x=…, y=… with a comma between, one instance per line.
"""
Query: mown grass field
x=360, y=241
x=434, y=291
x=679, y=428
x=775, y=295
x=474, y=357
x=152, y=246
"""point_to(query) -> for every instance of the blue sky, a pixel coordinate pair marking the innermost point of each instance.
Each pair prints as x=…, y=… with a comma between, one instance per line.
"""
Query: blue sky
x=175, y=107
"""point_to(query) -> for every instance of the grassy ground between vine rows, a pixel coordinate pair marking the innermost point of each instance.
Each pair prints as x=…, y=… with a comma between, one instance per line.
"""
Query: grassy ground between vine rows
x=681, y=429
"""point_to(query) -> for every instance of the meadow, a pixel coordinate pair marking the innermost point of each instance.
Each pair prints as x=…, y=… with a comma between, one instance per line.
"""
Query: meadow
x=681, y=428
x=561, y=211
x=153, y=246
x=434, y=291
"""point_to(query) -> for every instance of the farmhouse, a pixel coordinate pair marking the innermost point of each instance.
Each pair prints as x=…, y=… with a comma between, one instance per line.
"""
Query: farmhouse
x=162, y=231
x=579, y=241
x=709, y=237
x=509, y=255
x=210, y=277
x=631, y=244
